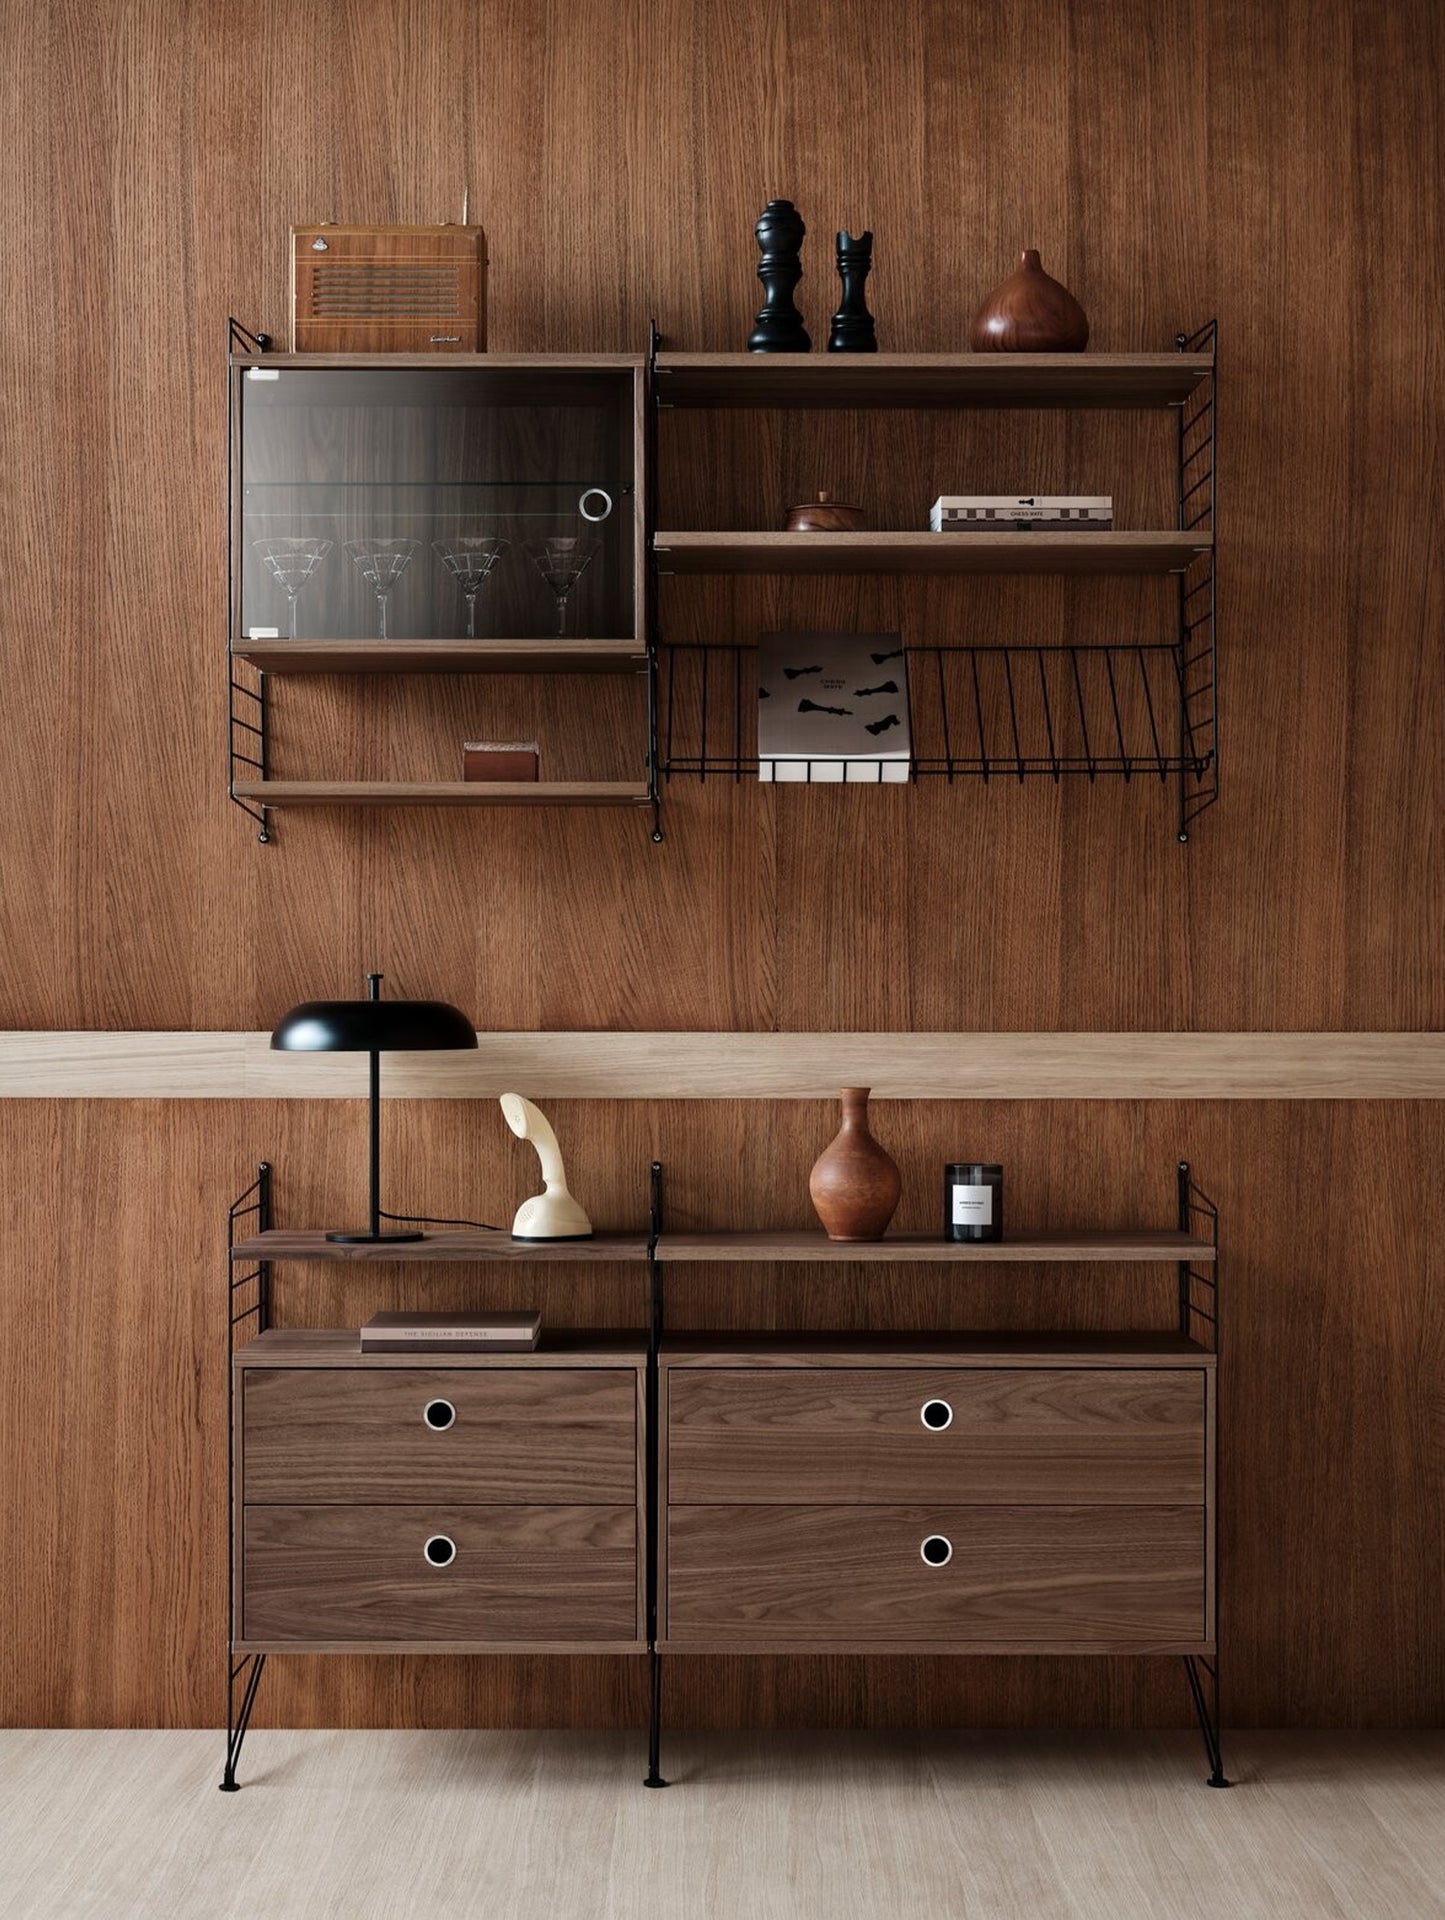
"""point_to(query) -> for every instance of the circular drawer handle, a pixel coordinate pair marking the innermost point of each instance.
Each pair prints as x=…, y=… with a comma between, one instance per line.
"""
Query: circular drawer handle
x=937, y=1551
x=439, y=1414
x=586, y=505
x=440, y=1550
x=936, y=1414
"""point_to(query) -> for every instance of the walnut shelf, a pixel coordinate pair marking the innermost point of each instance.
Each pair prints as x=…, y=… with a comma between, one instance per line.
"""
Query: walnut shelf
x=1053, y=553
x=338, y=1347
x=913, y=1350
x=1075, y=1248
x=442, y=793
x=930, y=379
x=443, y=656
x=468, y=1243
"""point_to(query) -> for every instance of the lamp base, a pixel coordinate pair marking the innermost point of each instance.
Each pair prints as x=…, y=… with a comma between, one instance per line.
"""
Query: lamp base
x=371, y=1239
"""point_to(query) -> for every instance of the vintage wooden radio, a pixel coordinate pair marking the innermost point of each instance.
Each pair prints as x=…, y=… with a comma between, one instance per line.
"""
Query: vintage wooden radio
x=388, y=289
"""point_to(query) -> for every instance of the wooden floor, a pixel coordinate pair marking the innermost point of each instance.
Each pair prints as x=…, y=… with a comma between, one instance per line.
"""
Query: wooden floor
x=556, y=1826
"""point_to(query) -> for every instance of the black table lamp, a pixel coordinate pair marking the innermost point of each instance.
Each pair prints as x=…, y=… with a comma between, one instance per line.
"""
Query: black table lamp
x=374, y=1026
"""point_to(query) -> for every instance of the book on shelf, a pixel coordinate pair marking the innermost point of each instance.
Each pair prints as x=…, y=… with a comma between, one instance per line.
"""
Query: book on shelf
x=1022, y=513
x=833, y=707
x=516, y=1332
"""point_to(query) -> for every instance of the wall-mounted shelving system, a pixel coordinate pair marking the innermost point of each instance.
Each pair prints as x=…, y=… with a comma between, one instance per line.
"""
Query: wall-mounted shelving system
x=992, y=710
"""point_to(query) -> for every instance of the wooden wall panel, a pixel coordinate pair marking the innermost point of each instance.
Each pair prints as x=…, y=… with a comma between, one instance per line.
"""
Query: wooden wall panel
x=1278, y=166
x=112, y=1427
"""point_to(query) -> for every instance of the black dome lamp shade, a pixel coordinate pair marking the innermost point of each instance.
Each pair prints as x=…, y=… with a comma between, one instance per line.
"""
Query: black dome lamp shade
x=374, y=1026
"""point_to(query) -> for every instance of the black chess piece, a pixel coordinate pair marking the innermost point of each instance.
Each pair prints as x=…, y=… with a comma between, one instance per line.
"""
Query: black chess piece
x=779, y=325
x=853, y=323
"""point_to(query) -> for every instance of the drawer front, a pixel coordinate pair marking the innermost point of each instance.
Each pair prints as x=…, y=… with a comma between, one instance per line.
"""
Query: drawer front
x=1060, y=1576
x=1007, y=1436
x=525, y=1435
x=313, y=1575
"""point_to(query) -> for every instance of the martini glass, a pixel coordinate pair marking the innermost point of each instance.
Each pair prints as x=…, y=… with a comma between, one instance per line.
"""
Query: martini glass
x=382, y=563
x=562, y=561
x=469, y=559
x=291, y=563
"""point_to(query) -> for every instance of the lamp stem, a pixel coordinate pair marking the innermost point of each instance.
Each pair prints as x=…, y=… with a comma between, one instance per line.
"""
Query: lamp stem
x=375, y=1060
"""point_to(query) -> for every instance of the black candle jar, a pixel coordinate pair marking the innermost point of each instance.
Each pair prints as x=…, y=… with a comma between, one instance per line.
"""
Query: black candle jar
x=972, y=1201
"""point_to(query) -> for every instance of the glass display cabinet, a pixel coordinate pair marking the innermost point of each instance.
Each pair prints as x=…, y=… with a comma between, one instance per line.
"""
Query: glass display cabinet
x=454, y=514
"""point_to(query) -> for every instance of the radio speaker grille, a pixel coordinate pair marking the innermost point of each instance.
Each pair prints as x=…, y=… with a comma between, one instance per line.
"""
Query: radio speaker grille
x=389, y=289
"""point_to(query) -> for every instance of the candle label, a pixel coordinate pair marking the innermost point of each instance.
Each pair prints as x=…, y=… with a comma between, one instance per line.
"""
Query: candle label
x=973, y=1206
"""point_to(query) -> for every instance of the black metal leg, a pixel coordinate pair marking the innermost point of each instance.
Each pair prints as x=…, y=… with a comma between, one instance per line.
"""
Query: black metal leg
x=1206, y=1706
x=654, y=1736
x=237, y=1723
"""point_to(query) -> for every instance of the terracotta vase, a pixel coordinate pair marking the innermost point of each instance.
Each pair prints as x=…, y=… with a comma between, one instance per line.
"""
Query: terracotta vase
x=1030, y=312
x=854, y=1184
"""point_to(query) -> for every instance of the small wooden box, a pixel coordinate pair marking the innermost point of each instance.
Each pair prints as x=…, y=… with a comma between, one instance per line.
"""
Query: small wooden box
x=388, y=289
x=500, y=760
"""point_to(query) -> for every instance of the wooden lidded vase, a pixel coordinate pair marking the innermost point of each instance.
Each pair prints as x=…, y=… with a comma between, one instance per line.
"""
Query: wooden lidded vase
x=1030, y=312
x=854, y=1184
x=825, y=515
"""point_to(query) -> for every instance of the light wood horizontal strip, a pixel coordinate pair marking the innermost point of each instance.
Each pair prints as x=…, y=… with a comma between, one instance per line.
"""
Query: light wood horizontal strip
x=785, y=553
x=443, y=793
x=816, y=1246
x=442, y=656
x=741, y=1066
x=929, y=379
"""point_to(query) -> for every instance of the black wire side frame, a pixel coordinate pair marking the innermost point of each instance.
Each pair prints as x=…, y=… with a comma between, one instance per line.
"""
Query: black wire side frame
x=1200, y=1320
x=246, y=741
x=1198, y=649
x=248, y=1298
x=653, y=1777
x=650, y=607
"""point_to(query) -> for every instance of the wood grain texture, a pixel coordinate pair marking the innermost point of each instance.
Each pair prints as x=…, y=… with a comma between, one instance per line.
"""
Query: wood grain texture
x=840, y=1826
x=1069, y=1248
x=1332, y=1473
x=733, y=1066
x=928, y=379
x=442, y=656
x=1067, y=1577
x=1090, y=1437
x=357, y=1574
x=531, y=1436
x=337, y=1347
x=1278, y=166
x=893, y=552
x=1147, y=157
x=453, y=1244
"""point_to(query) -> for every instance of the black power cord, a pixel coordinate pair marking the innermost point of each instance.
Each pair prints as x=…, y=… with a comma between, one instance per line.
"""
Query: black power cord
x=432, y=1220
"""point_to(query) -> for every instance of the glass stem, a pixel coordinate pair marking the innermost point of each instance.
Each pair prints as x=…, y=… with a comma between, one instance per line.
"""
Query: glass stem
x=471, y=616
x=561, y=615
x=381, y=605
x=292, y=598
